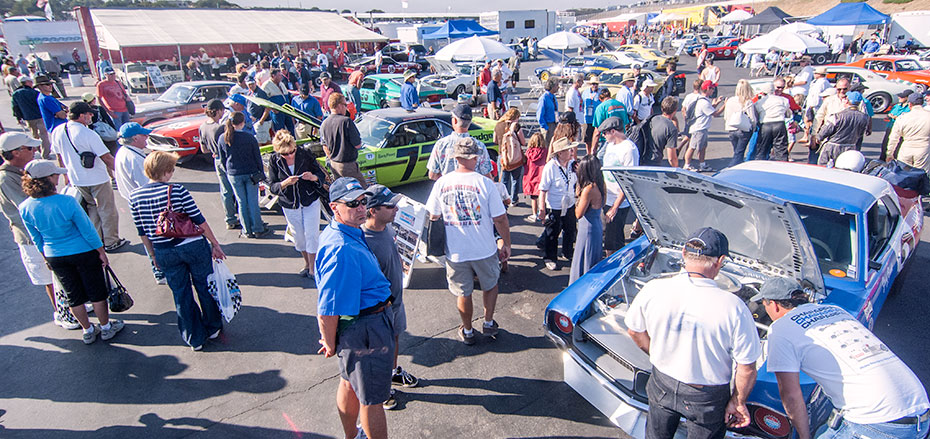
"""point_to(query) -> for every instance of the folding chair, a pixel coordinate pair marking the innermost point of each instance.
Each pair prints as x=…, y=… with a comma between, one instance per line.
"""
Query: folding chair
x=536, y=87
x=515, y=103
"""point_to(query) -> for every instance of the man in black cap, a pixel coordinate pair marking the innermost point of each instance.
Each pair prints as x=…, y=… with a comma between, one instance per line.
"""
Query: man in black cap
x=692, y=358
x=441, y=158
x=355, y=314
x=89, y=164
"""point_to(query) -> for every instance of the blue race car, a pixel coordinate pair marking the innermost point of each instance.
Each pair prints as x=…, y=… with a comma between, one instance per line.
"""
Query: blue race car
x=589, y=65
x=845, y=236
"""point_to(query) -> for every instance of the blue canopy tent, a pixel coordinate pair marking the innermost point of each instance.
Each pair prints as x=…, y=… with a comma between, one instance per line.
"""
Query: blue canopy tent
x=849, y=14
x=454, y=29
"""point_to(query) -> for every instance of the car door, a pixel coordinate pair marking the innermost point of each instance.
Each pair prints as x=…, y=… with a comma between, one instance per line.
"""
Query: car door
x=368, y=91
x=404, y=156
x=573, y=66
x=883, y=248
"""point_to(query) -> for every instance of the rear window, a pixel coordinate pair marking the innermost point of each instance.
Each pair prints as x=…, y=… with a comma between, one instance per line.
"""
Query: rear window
x=832, y=234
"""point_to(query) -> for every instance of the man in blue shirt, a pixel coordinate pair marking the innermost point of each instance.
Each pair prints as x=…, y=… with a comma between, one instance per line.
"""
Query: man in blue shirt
x=53, y=112
x=871, y=46
x=409, y=98
x=238, y=102
x=306, y=103
x=546, y=112
x=355, y=304
x=495, y=96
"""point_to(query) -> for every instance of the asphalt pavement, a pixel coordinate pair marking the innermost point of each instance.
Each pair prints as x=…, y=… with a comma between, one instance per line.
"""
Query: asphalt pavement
x=264, y=378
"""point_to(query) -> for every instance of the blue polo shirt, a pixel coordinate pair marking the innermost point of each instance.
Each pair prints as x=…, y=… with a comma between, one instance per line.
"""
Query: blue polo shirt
x=409, y=99
x=546, y=112
x=48, y=106
x=310, y=106
x=349, y=278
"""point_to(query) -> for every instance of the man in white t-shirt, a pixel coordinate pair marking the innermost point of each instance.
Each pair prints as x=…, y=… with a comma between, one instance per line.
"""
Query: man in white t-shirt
x=470, y=205
x=694, y=332
x=836, y=47
x=772, y=111
x=71, y=139
x=874, y=392
x=573, y=100
x=802, y=81
x=618, y=151
x=704, y=110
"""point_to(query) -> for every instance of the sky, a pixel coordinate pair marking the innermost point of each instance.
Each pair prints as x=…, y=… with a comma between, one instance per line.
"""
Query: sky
x=428, y=5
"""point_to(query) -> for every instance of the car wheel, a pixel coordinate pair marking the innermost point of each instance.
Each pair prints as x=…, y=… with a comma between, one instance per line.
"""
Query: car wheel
x=881, y=102
x=727, y=52
x=710, y=55
x=384, y=104
x=920, y=88
x=544, y=76
x=820, y=58
x=458, y=90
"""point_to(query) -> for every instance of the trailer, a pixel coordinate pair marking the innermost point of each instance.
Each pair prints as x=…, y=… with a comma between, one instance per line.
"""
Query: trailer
x=910, y=25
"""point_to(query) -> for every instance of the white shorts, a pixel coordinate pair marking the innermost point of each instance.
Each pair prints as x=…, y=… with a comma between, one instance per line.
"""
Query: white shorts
x=305, y=224
x=38, y=272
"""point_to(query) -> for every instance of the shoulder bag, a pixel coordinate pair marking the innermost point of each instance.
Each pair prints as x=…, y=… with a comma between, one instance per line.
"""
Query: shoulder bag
x=88, y=158
x=117, y=298
x=172, y=224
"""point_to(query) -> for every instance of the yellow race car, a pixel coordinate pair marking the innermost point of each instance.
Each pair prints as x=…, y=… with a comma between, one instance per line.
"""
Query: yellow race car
x=649, y=53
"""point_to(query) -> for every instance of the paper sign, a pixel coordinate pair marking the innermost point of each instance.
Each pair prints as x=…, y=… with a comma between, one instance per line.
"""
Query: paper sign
x=155, y=76
x=408, y=230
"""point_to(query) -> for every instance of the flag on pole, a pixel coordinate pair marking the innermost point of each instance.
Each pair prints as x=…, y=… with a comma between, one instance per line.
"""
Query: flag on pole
x=404, y=4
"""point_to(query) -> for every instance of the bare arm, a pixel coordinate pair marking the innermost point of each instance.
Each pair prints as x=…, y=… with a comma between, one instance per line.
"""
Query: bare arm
x=434, y=175
x=542, y=204
x=208, y=232
x=737, y=413
x=147, y=243
x=328, y=327
x=640, y=338
x=583, y=201
x=789, y=387
x=503, y=229
x=108, y=160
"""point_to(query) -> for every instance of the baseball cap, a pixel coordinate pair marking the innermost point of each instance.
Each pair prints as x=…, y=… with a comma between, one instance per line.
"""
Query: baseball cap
x=854, y=97
x=25, y=78
x=462, y=112
x=132, y=129
x=10, y=141
x=777, y=288
x=568, y=117
x=346, y=189
x=250, y=80
x=711, y=242
x=325, y=75
x=382, y=196
x=107, y=70
x=707, y=85
x=88, y=97
x=235, y=99
x=43, y=168
x=466, y=148
x=611, y=123
x=80, y=107
x=905, y=93
x=915, y=98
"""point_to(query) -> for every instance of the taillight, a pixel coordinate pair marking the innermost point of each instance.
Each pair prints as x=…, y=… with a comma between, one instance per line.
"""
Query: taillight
x=433, y=98
x=563, y=323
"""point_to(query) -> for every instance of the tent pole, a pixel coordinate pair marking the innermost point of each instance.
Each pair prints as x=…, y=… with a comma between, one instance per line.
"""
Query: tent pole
x=180, y=61
x=123, y=60
x=232, y=52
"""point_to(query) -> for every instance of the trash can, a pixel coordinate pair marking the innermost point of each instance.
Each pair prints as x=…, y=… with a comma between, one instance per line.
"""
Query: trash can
x=77, y=80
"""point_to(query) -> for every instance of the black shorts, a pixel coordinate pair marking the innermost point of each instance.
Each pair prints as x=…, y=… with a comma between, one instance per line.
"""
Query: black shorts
x=81, y=277
x=614, y=236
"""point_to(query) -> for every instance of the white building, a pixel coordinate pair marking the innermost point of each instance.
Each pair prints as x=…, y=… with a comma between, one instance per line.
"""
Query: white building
x=57, y=38
x=514, y=25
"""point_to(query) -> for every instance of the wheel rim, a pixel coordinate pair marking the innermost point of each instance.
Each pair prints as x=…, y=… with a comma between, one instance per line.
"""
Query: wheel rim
x=384, y=104
x=921, y=88
x=879, y=103
x=459, y=90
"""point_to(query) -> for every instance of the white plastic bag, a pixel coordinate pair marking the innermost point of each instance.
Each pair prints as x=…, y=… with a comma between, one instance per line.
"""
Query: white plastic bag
x=224, y=289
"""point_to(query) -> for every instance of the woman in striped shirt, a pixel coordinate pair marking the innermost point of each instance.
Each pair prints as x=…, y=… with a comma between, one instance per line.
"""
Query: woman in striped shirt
x=183, y=260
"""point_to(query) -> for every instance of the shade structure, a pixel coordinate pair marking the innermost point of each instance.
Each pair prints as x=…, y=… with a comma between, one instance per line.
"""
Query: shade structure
x=453, y=29
x=474, y=49
x=845, y=14
x=799, y=27
x=784, y=41
x=769, y=16
x=735, y=16
x=564, y=41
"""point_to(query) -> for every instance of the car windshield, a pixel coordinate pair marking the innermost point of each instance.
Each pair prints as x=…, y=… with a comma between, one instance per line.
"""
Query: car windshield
x=657, y=53
x=373, y=130
x=135, y=68
x=907, y=65
x=610, y=78
x=177, y=94
x=832, y=234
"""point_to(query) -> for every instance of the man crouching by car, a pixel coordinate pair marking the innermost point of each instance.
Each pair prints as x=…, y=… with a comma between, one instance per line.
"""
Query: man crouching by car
x=875, y=394
x=693, y=332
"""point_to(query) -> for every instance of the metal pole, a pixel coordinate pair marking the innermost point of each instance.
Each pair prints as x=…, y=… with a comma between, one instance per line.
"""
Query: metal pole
x=180, y=60
x=123, y=60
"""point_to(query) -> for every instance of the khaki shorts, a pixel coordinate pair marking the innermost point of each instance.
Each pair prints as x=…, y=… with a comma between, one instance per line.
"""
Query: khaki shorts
x=35, y=265
x=698, y=140
x=461, y=275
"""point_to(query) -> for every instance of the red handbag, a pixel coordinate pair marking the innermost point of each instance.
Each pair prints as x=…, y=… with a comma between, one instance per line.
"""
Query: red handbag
x=173, y=224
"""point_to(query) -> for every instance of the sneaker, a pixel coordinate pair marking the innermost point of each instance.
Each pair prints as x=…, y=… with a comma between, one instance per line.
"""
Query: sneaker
x=90, y=337
x=390, y=403
x=216, y=334
x=115, y=326
x=115, y=246
x=361, y=433
x=704, y=167
x=490, y=331
x=689, y=168
x=160, y=280
x=233, y=226
x=551, y=265
x=401, y=377
x=64, y=323
x=197, y=348
x=531, y=218
x=262, y=234
x=467, y=339
x=304, y=273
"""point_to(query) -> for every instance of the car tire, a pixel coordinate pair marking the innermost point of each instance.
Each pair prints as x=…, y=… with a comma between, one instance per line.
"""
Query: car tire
x=384, y=104
x=710, y=55
x=544, y=76
x=820, y=58
x=881, y=102
x=727, y=52
x=920, y=88
x=458, y=90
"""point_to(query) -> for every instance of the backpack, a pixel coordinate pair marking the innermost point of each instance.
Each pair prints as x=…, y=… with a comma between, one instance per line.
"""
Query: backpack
x=511, y=153
x=641, y=136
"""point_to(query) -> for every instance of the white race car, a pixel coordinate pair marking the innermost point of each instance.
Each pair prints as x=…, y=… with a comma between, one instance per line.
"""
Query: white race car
x=454, y=78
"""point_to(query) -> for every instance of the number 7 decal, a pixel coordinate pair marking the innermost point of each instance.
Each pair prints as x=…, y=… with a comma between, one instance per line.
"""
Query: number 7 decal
x=412, y=153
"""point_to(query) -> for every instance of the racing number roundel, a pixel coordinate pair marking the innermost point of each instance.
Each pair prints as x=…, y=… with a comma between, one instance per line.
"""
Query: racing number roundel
x=391, y=68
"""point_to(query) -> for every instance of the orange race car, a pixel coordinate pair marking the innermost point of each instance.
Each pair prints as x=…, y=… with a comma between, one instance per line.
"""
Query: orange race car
x=897, y=68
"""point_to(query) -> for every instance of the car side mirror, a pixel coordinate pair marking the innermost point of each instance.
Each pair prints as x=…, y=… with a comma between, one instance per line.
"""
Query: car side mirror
x=873, y=265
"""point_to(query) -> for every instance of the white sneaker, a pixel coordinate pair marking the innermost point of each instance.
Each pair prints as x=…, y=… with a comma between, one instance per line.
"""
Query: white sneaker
x=690, y=168
x=115, y=326
x=551, y=265
x=704, y=167
x=532, y=218
x=64, y=323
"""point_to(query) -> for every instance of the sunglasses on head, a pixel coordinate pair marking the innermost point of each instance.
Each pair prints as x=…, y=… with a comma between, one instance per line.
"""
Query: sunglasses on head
x=352, y=204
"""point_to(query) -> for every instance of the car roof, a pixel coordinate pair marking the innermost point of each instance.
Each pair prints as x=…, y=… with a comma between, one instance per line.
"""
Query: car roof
x=401, y=115
x=813, y=185
x=385, y=76
x=203, y=83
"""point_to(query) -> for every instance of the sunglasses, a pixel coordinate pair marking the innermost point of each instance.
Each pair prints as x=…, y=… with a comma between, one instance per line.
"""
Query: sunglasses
x=779, y=88
x=841, y=89
x=289, y=153
x=352, y=204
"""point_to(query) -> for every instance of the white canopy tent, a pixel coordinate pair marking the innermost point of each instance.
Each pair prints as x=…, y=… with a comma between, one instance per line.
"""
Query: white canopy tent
x=735, y=16
x=784, y=41
x=799, y=27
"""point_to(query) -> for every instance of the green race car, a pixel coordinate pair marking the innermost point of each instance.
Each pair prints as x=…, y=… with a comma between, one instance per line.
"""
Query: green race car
x=377, y=91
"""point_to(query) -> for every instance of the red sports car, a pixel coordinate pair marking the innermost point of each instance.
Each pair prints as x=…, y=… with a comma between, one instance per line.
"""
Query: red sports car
x=388, y=65
x=726, y=50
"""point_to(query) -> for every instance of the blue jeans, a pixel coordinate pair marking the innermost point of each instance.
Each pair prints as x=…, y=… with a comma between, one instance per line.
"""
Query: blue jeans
x=119, y=118
x=226, y=191
x=184, y=265
x=247, y=196
x=885, y=430
x=513, y=181
x=739, y=139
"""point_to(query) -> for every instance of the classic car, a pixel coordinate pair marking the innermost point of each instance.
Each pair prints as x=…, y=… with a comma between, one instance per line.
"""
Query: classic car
x=388, y=65
x=580, y=64
x=396, y=144
x=135, y=76
x=649, y=53
x=629, y=59
x=454, y=78
x=378, y=90
x=725, y=49
x=613, y=79
x=897, y=67
x=694, y=47
x=398, y=51
x=880, y=92
x=181, y=99
x=690, y=39
x=845, y=236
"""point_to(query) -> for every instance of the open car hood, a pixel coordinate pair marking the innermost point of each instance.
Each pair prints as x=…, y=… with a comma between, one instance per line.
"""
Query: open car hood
x=765, y=233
